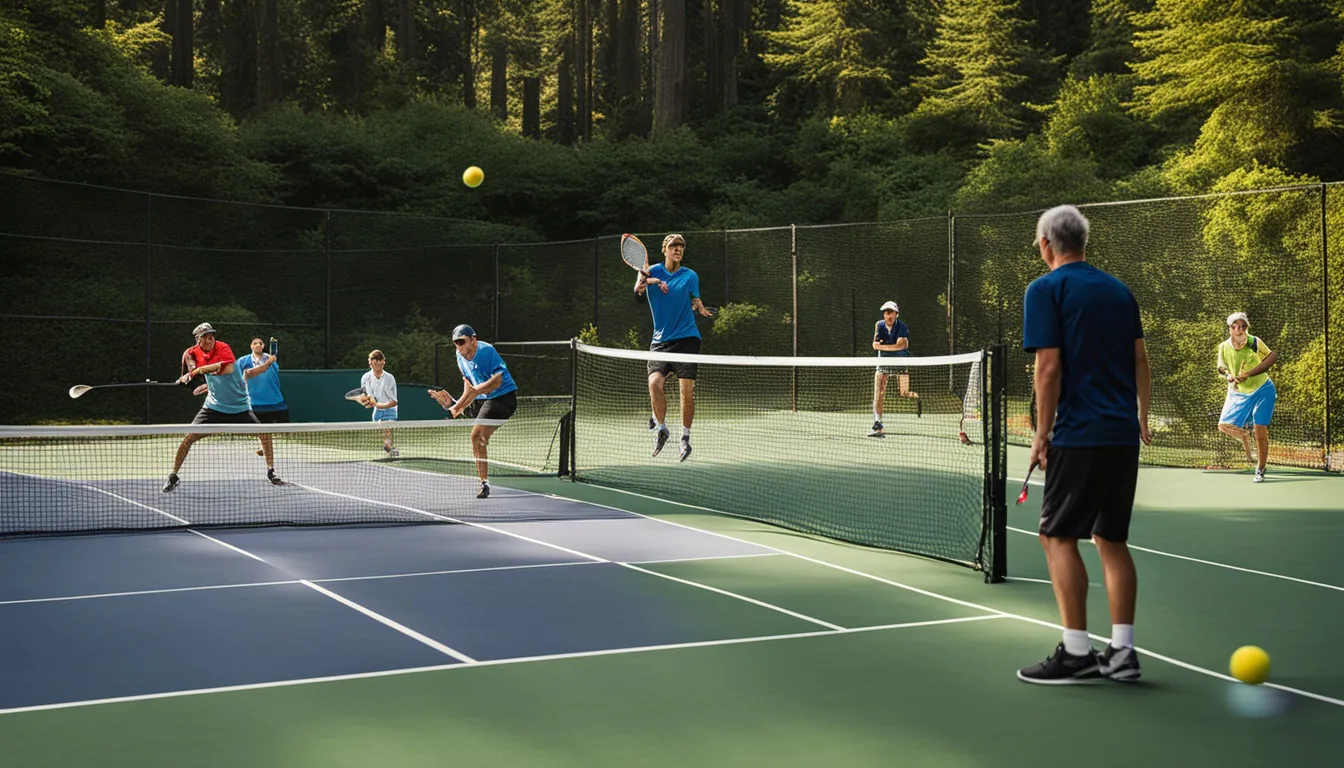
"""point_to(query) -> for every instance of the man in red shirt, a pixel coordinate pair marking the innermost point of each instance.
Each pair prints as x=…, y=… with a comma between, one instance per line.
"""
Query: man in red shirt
x=226, y=401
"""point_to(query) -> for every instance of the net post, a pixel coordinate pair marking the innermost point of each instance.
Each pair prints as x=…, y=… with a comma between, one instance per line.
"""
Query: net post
x=997, y=476
x=149, y=268
x=573, y=406
x=597, y=291
x=326, y=326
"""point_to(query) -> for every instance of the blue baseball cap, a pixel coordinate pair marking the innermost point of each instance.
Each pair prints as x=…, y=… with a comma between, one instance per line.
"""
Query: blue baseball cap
x=463, y=331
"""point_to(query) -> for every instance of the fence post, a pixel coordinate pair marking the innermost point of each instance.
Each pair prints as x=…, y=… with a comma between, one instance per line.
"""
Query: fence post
x=951, y=282
x=494, y=321
x=326, y=326
x=596, y=274
x=1325, y=298
x=149, y=269
x=793, y=255
x=724, y=300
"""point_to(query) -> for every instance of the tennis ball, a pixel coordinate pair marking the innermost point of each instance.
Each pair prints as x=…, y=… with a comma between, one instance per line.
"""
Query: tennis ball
x=473, y=176
x=1250, y=664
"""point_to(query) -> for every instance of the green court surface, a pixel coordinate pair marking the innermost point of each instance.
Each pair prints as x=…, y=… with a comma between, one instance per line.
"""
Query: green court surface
x=883, y=659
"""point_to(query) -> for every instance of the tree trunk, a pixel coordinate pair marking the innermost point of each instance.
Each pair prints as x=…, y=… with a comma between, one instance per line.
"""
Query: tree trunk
x=469, y=55
x=650, y=81
x=564, y=101
x=532, y=107
x=272, y=68
x=736, y=20
x=499, y=75
x=161, y=53
x=582, y=33
x=181, y=18
x=612, y=43
x=98, y=13
x=627, y=51
x=713, y=88
x=671, y=92
x=406, y=46
x=238, y=57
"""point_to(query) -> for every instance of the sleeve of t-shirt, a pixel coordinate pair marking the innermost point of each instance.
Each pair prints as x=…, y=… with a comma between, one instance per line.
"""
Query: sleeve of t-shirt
x=493, y=363
x=245, y=364
x=391, y=387
x=695, y=285
x=364, y=383
x=902, y=331
x=1138, y=320
x=1040, y=320
x=225, y=356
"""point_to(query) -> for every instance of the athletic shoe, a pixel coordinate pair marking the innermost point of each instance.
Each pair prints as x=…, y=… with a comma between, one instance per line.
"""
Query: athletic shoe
x=394, y=453
x=485, y=491
x=877, y=430
x=1259, y=476
x=685, y=446
x=652, y=424
x=1062, y=668
x=274, y=478
x=660, y=439
x=1118, y=664
x=171, y=484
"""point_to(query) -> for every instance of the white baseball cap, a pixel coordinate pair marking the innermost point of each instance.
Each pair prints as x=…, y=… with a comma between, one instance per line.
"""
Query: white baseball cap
x=1235, y=316
x=892, y=306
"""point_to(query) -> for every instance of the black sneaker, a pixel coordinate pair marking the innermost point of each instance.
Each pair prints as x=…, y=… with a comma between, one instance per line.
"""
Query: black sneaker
x=485, y=491
x=660, y=439
x=685, y=446
x=1062, y=668
x=877, y=430
x=652, y=424
x=1118, y=664
x=171, y=484
x=274, y=478
x=1259, y=476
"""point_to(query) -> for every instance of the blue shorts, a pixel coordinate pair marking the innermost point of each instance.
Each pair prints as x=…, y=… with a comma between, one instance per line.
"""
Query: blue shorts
x=385, y=414
x=1241, y=410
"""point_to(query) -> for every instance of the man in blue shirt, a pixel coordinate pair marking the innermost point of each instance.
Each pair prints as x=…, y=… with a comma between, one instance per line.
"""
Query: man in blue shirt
x=1092, y=394
x=673, y=307
x=261, y=373
x=891, y=338
x=226, y=401
x=486, y=382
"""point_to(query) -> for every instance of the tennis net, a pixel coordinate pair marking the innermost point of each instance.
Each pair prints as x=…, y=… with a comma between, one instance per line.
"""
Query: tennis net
x=110, y=478
x=788, y=441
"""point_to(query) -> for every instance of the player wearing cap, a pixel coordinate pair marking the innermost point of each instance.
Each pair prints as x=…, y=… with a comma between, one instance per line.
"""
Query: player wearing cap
x=380, y=394
x=1244, y=361
x=673, y=307
x=226, y=401
x=891, y=338
x=485, y=380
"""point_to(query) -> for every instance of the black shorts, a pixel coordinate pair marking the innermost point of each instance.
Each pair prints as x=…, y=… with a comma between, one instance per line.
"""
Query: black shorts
x=501, y=407
x=1090, y=491
x=207, y=416
x=273, y=417
x=689, y=345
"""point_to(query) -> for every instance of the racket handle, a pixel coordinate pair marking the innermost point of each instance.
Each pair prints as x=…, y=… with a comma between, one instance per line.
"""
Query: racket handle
x=275, y=347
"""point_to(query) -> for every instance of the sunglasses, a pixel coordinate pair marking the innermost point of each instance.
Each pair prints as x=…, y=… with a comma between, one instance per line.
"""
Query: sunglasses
x=460, y=342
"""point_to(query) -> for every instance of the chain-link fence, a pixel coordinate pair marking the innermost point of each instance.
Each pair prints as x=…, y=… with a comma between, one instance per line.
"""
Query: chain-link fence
x=104, y=285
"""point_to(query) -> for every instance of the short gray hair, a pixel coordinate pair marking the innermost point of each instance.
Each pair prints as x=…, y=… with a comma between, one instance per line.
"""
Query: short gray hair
x=1065, y=227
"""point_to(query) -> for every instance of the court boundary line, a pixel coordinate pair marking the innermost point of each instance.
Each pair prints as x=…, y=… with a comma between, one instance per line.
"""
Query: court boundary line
x=338, y=579
x=752, y=600
x=378, y=617
x=957, y=601
x=494, y=663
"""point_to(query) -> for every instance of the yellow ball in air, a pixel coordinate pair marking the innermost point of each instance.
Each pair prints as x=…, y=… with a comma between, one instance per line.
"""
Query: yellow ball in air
x=473, y=176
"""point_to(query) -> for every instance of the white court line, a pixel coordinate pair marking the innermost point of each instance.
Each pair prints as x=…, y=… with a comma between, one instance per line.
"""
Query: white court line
x=321, y=590
x=753, y=601
x=145, y=592
x=700, y=559
x=491, y=663
x=1229, y=567
x=948, y=599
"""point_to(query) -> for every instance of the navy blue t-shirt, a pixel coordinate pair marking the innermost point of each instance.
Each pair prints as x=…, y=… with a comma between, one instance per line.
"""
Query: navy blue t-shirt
x=1093, y=319
x=885, y=335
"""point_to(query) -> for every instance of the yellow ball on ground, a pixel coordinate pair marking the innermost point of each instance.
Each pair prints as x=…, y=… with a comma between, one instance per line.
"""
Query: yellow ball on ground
x=473, y=176
x=1250, y=664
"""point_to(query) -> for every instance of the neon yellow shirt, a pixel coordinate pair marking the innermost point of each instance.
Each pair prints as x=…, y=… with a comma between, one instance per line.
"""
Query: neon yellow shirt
x=1244, y=359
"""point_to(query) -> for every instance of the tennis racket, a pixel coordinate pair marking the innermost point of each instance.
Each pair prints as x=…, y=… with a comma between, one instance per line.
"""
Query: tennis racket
x=634, y=254
x=354, y=395
x=1021, y=497
x=275, y=347
x=80, y=389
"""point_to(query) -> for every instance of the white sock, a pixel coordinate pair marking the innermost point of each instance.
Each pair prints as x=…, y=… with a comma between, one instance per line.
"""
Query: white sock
x=1122, y=635
x=877, y=416
x=660, y=426
x=1076, y=642
x=685, y=431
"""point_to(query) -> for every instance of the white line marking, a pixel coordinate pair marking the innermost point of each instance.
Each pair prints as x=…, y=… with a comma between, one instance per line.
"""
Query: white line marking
x=1210, y=562
x=945, y=598
x=701, y=559
x=744, y=598
x=482, y=526
x=489, y=663
x=145, y=592
x=403, y=629
x=451, y=572
x=137, y=504
x=1046, y=581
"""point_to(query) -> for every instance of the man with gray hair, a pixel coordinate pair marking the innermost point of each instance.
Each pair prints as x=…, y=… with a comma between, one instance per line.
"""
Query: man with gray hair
x=1092, y=394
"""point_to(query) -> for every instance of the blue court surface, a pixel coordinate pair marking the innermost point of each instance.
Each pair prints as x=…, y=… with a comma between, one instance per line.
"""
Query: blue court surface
x=110, y=616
